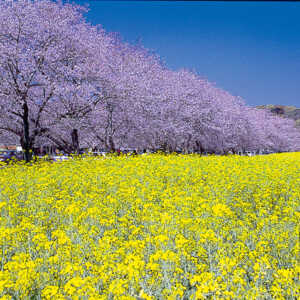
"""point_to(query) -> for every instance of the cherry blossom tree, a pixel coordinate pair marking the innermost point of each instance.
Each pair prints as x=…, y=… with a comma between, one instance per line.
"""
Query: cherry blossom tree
x=42, y=56
x=119, y=119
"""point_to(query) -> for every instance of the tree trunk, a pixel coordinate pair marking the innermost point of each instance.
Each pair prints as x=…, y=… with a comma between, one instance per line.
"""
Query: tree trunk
x=26, y=133
x=111, y=144
x=199, y=147
x=75, y=141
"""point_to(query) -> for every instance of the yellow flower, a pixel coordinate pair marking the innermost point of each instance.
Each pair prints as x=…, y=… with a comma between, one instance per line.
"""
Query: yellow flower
x=50, y=291
x=102, y=228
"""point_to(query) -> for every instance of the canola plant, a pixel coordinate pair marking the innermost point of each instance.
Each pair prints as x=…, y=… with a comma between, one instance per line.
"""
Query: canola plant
x=151, y=227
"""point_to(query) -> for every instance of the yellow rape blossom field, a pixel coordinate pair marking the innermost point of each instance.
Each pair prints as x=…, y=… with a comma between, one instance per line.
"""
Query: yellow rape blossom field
x=151, y=227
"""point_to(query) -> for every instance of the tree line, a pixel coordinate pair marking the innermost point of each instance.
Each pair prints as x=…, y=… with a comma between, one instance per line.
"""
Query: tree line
x=68, y=83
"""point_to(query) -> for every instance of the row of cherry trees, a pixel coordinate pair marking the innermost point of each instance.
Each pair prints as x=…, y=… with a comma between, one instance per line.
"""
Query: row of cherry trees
x=70, y=84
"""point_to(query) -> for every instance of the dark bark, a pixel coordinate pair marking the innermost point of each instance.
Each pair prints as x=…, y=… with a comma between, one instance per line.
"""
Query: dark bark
x=75, y=141
x=111, y=144
x=26, y=140
x=199, y=147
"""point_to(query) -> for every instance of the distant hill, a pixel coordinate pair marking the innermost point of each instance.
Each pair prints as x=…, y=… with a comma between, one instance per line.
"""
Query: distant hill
x=291, y=112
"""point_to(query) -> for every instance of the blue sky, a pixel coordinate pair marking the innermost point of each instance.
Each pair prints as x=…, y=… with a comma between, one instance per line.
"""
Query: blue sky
x=251, y=49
